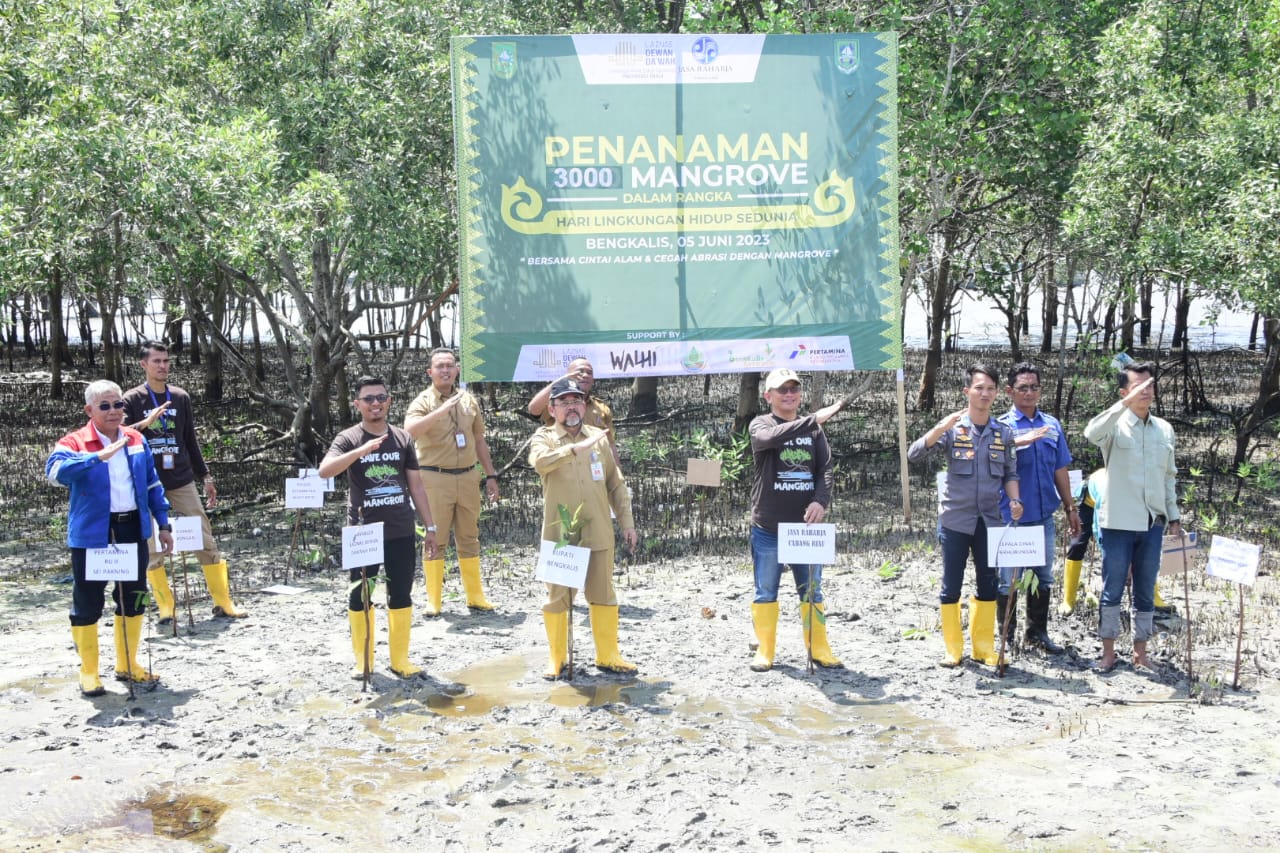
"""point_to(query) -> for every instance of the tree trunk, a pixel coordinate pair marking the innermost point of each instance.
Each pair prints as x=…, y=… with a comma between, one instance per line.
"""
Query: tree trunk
x=1127, y=324
x=644, y=397
x=1181, y=319
x=57, y=337
x=1144, y=320
x=940, y=295
x=748, y=398
x=1049, y=310
x=1267, y=403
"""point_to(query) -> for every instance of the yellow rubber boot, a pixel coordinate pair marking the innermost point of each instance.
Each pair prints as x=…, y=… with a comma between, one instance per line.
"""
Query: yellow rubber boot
x=557, y=625
x=398, y=622
x=162, y=593
x=433, y=572
x=813, y=622
x=952, y=635
x=1070, y=586
x=604, y=628
x=86, y=637
x=215, y=577
x=361, y=641
x=982, y=629
x=469, y=568
x=129, y=634
x=764, y=618
x=1161, y=604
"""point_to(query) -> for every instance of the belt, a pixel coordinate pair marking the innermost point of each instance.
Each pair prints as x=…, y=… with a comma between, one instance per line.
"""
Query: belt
x=131, y=515
x=445, y=470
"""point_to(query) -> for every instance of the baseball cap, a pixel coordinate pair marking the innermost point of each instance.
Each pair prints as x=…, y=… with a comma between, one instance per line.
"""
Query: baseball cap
x=781, y=376
x=563, y=387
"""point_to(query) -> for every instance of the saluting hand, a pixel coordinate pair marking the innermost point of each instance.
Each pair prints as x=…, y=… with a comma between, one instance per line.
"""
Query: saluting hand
x=372, y=444
x=149, y=421
x=110, y=450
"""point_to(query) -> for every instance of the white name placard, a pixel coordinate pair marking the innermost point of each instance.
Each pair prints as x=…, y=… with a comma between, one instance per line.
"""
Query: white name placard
x=1015, y=547
x=362, y=545
x=303, y=493
x=1233, y=560
x=113, y=563
x=187, y=533
x=1076, y=479
x=806, y=544
x=565, y=566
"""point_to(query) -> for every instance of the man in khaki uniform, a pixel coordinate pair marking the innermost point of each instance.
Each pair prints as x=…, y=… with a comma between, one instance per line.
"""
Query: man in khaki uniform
x=448, y=431
x=597, y=412
x=578, y=471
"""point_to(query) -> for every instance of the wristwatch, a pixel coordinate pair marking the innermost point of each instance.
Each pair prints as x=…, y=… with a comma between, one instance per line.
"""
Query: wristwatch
x=165, y=528
x=431, y=528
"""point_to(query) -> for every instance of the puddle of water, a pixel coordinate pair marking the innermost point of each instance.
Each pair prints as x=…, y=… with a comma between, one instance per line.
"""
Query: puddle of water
x=187, y=816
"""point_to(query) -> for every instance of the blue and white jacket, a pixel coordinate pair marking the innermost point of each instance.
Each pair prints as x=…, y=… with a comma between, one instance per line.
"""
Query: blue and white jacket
x=74, y=462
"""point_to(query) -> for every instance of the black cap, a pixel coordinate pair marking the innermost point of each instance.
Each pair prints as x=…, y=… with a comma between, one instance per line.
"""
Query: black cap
x=562, y=387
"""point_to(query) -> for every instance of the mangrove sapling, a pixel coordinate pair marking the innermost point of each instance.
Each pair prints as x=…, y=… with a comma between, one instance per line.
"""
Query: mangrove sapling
x=570, y=525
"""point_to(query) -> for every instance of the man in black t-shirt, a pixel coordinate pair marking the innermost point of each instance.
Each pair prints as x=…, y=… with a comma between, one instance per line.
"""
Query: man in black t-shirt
x=163, y=414
x=792, y=485
x=382, y=473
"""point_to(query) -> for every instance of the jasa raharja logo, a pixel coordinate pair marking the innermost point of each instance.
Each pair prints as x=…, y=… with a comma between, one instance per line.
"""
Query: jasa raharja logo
x=705, y=50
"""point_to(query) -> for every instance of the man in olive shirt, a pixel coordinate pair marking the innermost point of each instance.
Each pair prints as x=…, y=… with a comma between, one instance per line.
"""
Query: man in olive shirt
x=1139, y=502
x=164, y=415
x=578, y=472
x=448, y=431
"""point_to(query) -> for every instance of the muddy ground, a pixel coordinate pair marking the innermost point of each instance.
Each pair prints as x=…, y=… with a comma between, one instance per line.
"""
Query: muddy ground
x=258, y=739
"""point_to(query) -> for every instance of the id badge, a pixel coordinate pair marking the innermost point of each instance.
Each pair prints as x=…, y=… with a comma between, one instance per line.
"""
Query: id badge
x=166, y=461
x=597, y=468
x=460, y=438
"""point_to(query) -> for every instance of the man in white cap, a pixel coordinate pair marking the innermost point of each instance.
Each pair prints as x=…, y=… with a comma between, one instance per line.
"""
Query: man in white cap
x=792, y=484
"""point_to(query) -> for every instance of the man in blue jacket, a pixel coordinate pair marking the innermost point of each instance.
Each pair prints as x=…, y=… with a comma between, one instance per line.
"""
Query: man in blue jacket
x=115, y=492
x=1044, y=484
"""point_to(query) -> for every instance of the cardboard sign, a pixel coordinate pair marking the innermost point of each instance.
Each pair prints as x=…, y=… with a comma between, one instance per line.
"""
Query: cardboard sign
x=1233, y=560
x=1015, y=547
x=565, y=566
x=113, y=563
x=1076, y=479
x=806, y=544
x=702, y=472
x=1172, y=550
x=303, y=493
x=362, y=545
x=188, y=534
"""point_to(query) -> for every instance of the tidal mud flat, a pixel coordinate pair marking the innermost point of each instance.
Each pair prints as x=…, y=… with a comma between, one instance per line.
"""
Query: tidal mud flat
x=259, y=739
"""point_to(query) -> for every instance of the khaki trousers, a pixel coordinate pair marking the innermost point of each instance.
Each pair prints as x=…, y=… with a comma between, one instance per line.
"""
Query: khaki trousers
x=185, y=501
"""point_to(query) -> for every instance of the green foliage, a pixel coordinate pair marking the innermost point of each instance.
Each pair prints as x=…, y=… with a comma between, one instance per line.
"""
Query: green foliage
x=889, y=571
x=734, y=457
x=641, y=449
x=570, y=524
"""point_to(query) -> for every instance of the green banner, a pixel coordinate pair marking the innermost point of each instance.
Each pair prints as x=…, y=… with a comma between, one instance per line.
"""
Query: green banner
x=669, y=204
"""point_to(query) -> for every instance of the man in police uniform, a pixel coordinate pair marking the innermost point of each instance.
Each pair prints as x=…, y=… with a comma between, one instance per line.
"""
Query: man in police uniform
x=447, y=427
x=164, y=415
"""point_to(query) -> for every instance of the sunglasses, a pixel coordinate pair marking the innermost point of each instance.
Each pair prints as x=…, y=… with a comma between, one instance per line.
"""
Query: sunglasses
x=106, y=407
x=370, y=399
